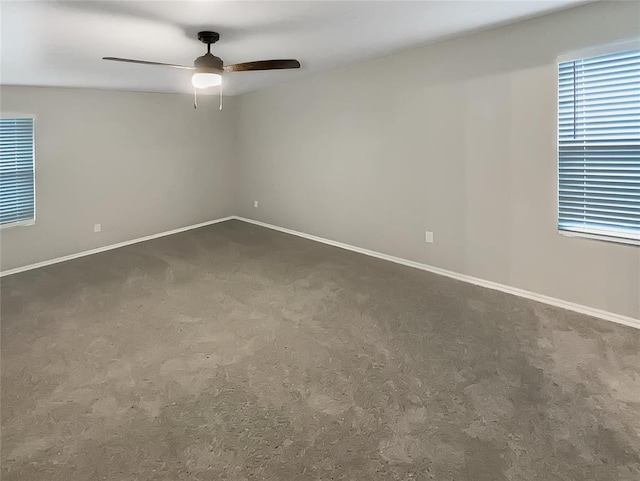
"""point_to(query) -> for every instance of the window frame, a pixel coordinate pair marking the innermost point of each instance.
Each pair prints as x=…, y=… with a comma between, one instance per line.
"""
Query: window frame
x=587, y=233
x=32, y=221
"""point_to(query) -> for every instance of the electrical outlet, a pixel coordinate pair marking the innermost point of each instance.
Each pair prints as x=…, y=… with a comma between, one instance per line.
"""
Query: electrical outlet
x=428, y=237
x=255, y=204
x=97, y=227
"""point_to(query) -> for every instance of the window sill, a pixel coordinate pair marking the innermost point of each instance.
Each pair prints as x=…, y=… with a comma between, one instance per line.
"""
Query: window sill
x=634, y=240
x=22, y=223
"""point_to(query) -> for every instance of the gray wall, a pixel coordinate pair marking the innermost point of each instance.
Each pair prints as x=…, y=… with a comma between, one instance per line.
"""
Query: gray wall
x=137, y=163
x=458, y=138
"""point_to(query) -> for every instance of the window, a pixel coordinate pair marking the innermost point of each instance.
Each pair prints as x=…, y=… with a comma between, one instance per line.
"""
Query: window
x=17, y=190
x=599, y=147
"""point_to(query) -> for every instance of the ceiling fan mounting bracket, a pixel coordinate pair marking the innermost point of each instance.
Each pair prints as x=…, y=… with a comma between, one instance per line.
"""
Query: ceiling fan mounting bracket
x=208, y=37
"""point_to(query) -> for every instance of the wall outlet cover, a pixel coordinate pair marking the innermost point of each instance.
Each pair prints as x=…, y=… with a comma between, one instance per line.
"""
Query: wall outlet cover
x=97, y=227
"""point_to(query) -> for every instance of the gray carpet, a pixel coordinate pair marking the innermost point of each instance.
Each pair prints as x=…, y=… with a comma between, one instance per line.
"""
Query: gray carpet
x=233, y=352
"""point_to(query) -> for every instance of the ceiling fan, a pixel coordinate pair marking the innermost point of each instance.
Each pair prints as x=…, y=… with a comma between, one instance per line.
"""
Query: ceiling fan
x=209, y=68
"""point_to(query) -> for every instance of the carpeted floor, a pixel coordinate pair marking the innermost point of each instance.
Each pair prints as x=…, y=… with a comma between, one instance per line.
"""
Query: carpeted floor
x=233, y=352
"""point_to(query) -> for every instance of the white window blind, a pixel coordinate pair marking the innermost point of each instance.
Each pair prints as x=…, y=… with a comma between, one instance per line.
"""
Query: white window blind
x=17, y=190
x=599, y=146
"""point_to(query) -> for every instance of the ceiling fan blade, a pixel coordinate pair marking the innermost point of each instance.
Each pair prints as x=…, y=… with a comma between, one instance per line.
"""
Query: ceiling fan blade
x=144, y=62
x=263, y=65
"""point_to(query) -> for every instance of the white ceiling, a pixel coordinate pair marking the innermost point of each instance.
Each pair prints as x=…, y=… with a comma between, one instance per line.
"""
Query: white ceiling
x=61, y=43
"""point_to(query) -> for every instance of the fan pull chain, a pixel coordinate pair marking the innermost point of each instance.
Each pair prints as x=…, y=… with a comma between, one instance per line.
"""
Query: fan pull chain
x=220, y=96
x=195, y=98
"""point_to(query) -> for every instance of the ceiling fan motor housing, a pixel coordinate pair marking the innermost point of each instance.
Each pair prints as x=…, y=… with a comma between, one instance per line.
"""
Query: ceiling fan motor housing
x=209, y=63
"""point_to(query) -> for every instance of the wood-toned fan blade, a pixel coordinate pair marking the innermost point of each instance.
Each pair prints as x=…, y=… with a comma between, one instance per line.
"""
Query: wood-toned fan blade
x=144, y=62
x=263, y=65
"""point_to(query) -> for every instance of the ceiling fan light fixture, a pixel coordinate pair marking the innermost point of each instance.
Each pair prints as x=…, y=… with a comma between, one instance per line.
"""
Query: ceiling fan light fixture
x=205, y=80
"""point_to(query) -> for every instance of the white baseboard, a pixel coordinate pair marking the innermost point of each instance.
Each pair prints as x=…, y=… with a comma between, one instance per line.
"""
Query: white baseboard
x=572, y=306
x=110, y=247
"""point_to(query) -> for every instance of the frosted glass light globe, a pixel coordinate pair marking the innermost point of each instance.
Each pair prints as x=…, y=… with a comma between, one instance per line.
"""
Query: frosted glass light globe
x=206, y=80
